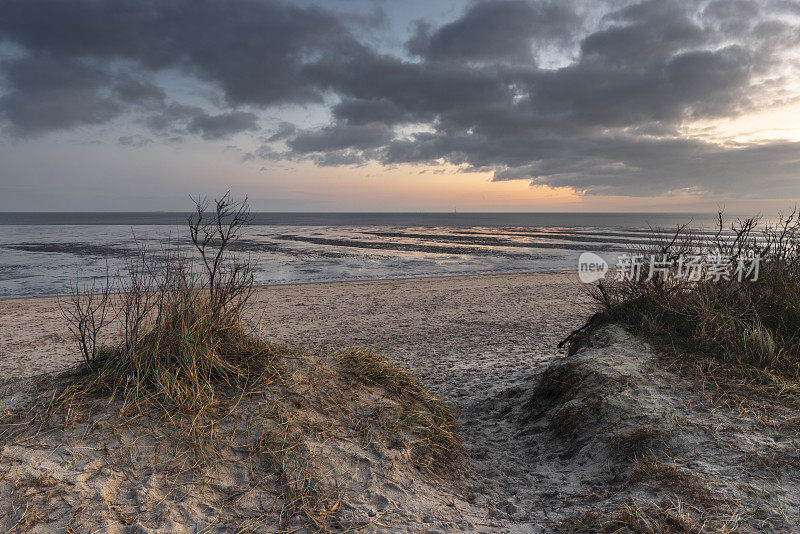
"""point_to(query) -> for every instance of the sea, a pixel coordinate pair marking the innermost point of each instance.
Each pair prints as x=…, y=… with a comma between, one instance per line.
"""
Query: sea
x=51, y=253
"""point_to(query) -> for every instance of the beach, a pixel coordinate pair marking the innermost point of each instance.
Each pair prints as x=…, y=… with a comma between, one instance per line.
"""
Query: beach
x=495, y=266
x=611, y=437
x=437, y=326
x=467, y=338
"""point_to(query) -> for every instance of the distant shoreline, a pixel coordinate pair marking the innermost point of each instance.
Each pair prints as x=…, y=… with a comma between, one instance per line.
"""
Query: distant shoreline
x=545, y=219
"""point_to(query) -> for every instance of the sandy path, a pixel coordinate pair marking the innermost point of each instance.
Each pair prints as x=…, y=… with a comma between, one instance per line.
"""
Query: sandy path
x=462, y=335
x=468, y=338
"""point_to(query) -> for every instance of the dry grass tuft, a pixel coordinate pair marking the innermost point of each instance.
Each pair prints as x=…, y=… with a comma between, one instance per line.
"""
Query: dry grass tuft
x=189, y=365
x=649, y=469
x=670, y=516
x=439, y=450
x=751, y=327
x=638, y=442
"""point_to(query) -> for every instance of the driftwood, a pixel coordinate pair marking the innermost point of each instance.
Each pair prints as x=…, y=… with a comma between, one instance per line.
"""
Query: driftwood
x=580, y=337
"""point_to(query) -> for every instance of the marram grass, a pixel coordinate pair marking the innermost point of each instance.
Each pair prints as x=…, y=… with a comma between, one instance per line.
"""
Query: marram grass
x=186, y=356
x=749, y=327
x=439, y=449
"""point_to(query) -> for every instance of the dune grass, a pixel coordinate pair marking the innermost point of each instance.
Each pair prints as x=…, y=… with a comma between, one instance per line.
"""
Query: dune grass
x=439, y=451
x=669, y=516
x=188, y=363
x=750, y=327
x=180, y=336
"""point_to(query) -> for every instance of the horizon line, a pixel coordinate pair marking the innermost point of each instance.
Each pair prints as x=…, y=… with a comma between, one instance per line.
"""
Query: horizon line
x=182, y=212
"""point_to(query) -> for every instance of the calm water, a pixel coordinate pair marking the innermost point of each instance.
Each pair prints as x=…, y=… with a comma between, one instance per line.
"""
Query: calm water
x=44, y=253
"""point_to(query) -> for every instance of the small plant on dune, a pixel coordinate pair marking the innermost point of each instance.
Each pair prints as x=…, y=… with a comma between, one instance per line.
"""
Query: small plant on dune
x=183, y=354
x=182, y=350
x=750, y=324
x=180, y=331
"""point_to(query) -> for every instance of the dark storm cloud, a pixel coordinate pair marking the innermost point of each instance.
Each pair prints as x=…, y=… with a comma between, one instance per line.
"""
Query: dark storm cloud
x=135, y=91
x=253, y=49
x=501, y=30
x=478, y=92
x=223, y=125
x=606, y=122
x=44, y=93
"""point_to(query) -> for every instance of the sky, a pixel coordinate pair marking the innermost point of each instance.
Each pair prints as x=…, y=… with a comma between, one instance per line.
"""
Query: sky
x=400, y=105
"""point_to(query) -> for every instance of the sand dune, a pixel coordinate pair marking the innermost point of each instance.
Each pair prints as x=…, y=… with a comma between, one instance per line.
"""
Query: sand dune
x=599, y=440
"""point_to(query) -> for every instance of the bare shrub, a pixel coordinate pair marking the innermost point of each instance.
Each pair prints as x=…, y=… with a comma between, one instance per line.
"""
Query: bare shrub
x=88, y=311
x=179, y=330
x=229, y=283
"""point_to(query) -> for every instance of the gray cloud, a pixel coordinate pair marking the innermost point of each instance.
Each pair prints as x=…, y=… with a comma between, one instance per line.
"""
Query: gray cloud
x=135, y=141
x=605, y=120
x=637, y=166
x=341, y=136
x=501, y=30
x=362, y=111
x=284, y=130
x=339, y=157
x=46, y=93
x=172, y=119
x=223, y=125
x=135, y=91
x=377, y=18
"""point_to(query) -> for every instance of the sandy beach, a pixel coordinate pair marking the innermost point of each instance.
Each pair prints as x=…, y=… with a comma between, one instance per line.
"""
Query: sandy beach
x=468, y=338
x=449, y=329
x=495, y=266
x=547, y=438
